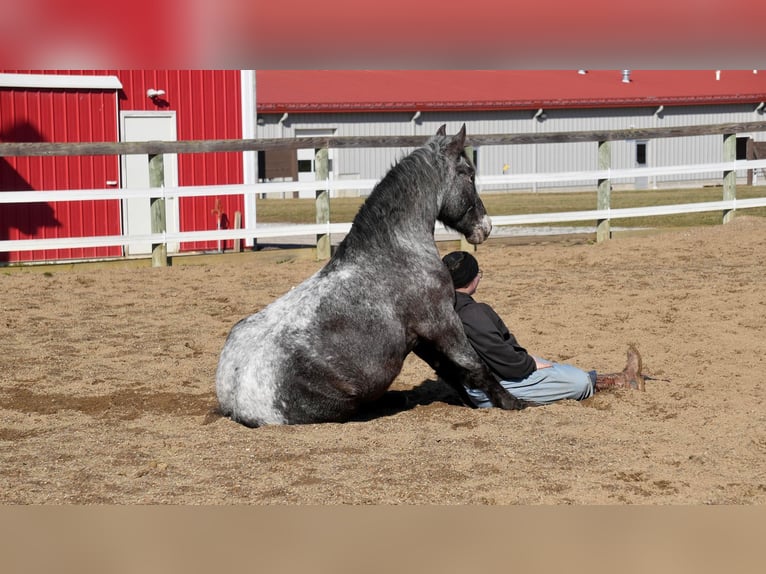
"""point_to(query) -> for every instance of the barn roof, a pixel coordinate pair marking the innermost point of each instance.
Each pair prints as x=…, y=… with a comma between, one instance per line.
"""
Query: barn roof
x=298, y=91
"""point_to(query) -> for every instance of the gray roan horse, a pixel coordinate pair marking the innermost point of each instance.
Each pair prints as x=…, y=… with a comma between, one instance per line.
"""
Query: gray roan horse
x=339, y=339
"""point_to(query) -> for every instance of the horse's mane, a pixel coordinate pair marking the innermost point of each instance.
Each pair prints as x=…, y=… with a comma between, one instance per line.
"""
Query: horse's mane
x=407, y=194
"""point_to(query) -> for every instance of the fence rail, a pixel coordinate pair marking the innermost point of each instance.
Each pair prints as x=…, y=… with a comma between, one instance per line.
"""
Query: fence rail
x=300, y=230
x=341, y=228
x=18, y=149
x=363, y=184
x=324, y=228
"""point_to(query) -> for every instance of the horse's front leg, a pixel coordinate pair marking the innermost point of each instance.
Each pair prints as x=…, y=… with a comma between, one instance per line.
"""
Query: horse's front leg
x=454, y=360
x=444, y=368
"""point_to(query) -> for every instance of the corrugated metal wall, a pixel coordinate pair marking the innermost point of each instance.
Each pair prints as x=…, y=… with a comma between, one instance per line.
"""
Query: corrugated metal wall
x=207, y=104
x=58, y=116
x=539, y=158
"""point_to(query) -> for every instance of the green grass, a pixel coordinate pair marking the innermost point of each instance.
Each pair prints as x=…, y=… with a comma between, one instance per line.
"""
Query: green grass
x=343, y=210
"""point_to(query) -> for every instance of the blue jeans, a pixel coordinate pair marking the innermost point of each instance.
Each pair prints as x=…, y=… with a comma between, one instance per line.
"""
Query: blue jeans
x=544, y=386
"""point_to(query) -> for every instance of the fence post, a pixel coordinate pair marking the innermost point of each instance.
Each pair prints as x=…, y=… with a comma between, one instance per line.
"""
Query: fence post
x=604, y=190
x=729, y=176
x=237, y=246
x=321, y=169
x=157, y=209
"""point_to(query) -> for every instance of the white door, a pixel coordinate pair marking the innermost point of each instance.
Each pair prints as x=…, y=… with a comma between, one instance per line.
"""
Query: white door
x=136, y=219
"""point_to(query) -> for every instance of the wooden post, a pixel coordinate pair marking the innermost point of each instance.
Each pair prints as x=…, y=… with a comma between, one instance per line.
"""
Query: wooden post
x=321, y=169
x=157, y=209
x=604, y=191
x=729, y=176
x=217, y=212
x=237, y=247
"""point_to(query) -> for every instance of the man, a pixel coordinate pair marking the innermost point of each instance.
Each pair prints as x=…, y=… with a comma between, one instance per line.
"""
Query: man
x=523, y=375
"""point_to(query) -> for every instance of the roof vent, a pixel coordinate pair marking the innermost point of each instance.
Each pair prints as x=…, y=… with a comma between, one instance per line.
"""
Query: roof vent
x=626, y=76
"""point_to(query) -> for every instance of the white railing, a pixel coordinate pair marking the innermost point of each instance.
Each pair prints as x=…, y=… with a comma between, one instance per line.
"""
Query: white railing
x=254, y=231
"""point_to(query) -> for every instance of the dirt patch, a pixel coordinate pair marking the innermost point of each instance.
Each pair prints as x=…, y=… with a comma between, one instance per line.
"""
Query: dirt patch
x=106, y=390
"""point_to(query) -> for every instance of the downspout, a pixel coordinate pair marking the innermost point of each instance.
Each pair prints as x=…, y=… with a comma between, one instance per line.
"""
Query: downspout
x=658, y=114
x=536, y=119
x=281, y=123
x=412, y=121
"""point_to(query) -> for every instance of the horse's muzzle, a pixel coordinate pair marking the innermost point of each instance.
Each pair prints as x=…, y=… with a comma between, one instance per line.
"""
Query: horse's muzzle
x=480, y=232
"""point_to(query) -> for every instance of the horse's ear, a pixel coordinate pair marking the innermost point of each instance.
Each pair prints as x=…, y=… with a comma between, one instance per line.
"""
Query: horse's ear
x=461, y=135
x=442, y=131
x=457, y=145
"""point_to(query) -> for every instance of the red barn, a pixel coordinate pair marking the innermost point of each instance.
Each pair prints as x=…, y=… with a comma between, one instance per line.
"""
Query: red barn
x=111, y=106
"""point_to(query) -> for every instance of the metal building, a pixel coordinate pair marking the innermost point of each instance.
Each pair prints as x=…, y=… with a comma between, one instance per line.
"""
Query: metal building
x=376, y=103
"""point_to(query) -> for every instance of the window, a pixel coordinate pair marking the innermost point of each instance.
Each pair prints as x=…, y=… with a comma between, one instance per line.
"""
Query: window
x=742, y=148
x=640, y=153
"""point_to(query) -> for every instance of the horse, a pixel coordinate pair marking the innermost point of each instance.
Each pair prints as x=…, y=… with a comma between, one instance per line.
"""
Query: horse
x=336, y=342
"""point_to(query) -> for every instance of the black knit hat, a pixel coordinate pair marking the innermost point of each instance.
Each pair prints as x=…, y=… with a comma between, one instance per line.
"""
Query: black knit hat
x=462, y=266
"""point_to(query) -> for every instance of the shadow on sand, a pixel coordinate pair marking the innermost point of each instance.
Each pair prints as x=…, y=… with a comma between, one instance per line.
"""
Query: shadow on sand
x=393, y=402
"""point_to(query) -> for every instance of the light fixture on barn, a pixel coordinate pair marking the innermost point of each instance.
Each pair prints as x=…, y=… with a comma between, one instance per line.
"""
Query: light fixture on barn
x=153, y=94
x=759, y=108
x=540, y=115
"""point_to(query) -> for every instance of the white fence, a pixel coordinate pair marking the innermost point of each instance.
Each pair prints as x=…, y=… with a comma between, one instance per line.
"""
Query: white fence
x=254, y=231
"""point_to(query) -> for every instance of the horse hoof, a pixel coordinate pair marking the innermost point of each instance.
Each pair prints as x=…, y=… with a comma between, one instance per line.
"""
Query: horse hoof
x=510, y=403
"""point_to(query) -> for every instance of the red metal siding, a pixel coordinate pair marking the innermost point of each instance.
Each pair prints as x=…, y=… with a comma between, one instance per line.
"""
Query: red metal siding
x=58, y=116
x=207, y=105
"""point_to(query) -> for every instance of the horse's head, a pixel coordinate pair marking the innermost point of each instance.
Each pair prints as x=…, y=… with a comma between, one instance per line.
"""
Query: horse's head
x=461, y=207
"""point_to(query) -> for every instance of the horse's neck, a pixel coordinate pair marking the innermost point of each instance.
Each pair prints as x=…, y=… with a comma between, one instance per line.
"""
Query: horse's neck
x=401, y=211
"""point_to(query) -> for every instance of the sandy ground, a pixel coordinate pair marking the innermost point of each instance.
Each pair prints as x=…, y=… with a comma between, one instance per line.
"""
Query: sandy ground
x=107, y=385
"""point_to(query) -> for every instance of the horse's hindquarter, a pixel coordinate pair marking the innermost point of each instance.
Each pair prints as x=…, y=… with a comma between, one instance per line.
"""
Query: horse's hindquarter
x=316, y=353
x=249, y=374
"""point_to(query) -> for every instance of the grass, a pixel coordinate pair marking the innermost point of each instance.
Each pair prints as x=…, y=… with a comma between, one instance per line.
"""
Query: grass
x=343, y=210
